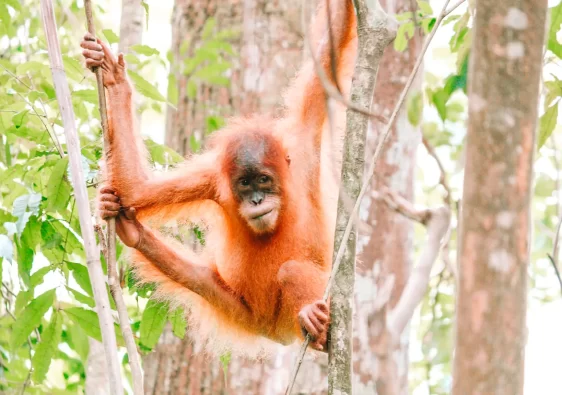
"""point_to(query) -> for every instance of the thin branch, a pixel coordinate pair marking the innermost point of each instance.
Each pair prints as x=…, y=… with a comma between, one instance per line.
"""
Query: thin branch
x=113, y=279
x=73, y=146
x=556, y=270
x=556, y=240
x=443, y=174
x=554, y=256
x=124, y=321
x=453, y=7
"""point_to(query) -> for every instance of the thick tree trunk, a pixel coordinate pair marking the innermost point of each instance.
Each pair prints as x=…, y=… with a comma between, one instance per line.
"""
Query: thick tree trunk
x=270, y=47
x=506, y=63
x=384, y=245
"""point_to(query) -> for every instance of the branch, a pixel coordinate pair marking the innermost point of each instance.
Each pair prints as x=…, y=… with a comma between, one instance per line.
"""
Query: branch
x=443, y=174
x=556, y=270
x=437, y=221
x=391, y=325
x=554, y=256
x=73, y=147
x=117, y=294
x=113, y=278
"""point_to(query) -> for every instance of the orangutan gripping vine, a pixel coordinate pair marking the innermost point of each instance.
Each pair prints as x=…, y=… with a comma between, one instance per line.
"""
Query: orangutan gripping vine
x=260, y=187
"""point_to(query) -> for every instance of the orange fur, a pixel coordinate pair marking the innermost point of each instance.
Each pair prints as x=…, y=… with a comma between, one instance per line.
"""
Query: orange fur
x=278, y=274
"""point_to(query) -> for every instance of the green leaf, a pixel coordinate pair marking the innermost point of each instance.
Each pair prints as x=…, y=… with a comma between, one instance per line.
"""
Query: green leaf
x=35, y=95
x=88, y=320
x=22, y=299
x=145, y=88
x=87, y=95
x=214, y=123
x=425, y=8
x=208, y=28
x=146, y=9
x=547, y=124
x=51, y=238
x=110, y=36
x=172, y=89
x=18, y=118
x=46, y=349
x=31, y=317
x=37, y=277
x=178, y=321
x=152, y=323
x=25, y=262
x=427, y=24
x=6, y=248
x=80, y=274
x=145, y=50
x=162, y=154
x=553, y=91
x=415, y=109
x=78, y=341
x=82, y=298
x=14, y=4
x=555, y=21
x=225, y=361
x=73, y=68
x=404, y=16
x=401, y=40
x=20, y=206
x=58, y=189
x=31, y=67
x=439, y=99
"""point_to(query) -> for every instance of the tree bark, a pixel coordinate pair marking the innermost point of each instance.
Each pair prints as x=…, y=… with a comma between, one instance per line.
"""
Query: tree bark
x=130, y=31
x=375, y=30
x=504, y=74
x=270, y=46
x=381, y=229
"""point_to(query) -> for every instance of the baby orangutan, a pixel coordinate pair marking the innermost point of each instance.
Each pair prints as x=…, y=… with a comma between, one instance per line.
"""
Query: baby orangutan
x=268, y=255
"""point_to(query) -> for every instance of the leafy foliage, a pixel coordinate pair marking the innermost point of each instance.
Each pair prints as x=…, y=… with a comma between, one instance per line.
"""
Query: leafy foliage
x=40, y=236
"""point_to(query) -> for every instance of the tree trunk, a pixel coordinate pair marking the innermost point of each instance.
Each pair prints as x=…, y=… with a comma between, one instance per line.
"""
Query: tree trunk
x=130, y=32
x=270, y=47
x=505, y=69
x=385, y=241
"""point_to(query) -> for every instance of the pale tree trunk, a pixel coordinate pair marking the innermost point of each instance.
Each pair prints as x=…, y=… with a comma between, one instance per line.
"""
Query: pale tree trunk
x=97, y=381
x=270, y=47
x=506, y=63
x=384, y=245
x=130, y=32
x=132, y=14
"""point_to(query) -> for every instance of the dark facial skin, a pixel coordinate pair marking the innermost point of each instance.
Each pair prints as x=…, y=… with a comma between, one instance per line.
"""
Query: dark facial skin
x=257, y=189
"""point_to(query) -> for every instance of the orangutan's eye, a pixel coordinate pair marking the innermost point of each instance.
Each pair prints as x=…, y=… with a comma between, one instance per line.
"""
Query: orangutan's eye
x=263, y=179
x=244, y=182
